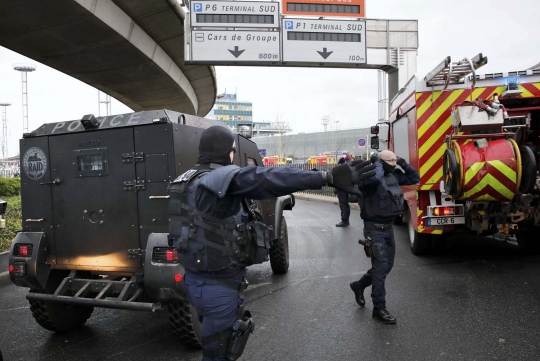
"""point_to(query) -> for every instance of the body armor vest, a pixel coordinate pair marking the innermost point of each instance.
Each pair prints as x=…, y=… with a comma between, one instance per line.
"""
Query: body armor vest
x=208, y=243
x=387, y=200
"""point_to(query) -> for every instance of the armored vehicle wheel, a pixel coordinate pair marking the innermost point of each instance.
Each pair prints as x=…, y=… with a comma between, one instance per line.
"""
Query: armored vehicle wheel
x=419, y=242
x=528, y=241
x=185, y=323
x=54, y=316
x=59, y=317
x=279, y=251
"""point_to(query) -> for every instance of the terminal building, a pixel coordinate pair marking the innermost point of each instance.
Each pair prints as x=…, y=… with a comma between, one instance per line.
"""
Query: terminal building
x=301, y=146
x=235, y=113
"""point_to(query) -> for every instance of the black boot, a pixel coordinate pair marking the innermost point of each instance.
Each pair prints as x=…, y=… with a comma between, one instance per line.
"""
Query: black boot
x=383, y=315
x=342, y=224
x=358, y=294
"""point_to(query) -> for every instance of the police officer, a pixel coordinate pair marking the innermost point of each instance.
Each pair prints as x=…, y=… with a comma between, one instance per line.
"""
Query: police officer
x=343, y=197
x=217, y=233
x=381, y=202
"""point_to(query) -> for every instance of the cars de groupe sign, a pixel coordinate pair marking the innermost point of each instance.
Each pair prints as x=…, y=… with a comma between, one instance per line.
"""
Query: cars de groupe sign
x=256, y=33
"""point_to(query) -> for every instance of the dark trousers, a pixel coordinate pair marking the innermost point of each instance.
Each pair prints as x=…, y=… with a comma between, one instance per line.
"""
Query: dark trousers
x=343, y=198
x=216, y=307
x=384, y=250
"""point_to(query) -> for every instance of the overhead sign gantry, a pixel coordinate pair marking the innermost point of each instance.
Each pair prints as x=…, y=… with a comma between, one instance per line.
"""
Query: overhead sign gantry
x=324, y=41
x=330, y=33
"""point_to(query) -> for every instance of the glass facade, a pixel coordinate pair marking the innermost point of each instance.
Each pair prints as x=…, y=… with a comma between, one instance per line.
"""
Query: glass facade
x=304, y=145
x=231, y=111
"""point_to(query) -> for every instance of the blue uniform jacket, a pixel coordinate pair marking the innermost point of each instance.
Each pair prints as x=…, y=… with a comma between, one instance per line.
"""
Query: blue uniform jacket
x=221, y=191
x=370, y=185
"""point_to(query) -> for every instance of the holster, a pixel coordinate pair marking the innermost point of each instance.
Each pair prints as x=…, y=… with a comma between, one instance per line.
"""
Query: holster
x=367, y=243
x=242, y=329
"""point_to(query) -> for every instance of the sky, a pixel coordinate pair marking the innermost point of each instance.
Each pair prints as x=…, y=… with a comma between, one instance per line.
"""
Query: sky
x=504, y=31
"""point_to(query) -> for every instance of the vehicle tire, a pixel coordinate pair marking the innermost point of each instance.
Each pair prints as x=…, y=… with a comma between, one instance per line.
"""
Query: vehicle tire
x=528, y=241
x=185, y=323
x=279, y=251
x=420, y=243
x=528, y=170
x=55, y=316
x=59, y=317
x=438, y=243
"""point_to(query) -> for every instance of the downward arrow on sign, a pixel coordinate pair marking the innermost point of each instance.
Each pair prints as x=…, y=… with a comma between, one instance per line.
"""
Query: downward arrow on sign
x=236, y=52
x=325, y=54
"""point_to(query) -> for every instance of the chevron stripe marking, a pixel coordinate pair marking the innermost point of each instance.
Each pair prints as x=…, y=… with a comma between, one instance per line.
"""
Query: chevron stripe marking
x=501, y=171
x=492, y=182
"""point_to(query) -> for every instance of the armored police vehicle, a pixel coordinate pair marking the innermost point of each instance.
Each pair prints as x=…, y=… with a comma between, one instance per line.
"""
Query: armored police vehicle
x=95, y=217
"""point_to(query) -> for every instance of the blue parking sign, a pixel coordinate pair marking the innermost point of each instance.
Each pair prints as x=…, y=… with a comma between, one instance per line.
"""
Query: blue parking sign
x=289, y=25
x=197, y=7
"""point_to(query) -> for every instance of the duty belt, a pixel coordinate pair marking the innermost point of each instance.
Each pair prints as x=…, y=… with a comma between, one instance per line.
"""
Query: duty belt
x=378, y=226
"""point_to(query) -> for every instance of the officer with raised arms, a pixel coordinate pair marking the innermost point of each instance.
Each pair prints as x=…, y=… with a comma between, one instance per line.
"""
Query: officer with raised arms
x=217, y=236
x=381, y=201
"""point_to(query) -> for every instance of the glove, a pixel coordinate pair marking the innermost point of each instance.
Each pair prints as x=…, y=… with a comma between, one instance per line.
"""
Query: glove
x=346, y=177
x=401, y=162
x=374, y=158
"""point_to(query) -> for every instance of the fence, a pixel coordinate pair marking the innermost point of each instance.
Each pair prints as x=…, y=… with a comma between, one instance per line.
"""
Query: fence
x=325, y=191
x=9, y=173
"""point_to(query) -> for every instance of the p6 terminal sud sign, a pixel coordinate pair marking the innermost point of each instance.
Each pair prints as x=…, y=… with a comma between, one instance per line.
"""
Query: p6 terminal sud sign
x=345, y=8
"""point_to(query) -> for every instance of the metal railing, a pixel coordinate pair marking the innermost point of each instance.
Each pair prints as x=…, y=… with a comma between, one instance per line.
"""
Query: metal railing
x=9, y=173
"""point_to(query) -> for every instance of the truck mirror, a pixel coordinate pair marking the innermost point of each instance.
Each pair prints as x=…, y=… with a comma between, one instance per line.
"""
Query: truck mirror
x=375, y=129
x=375, y=142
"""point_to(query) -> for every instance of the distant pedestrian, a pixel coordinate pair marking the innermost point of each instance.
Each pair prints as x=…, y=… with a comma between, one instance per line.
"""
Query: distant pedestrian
x=343, y=197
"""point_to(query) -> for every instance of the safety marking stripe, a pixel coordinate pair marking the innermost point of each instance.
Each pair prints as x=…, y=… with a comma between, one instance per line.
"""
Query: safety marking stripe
x=432, y=160
x=438, y=112
x=439, y=133
x=473, y=169
x=497, y=168
x=537, y=86
x=493, y=183
x=483, y=93
x=425, y=102
x=526, y=93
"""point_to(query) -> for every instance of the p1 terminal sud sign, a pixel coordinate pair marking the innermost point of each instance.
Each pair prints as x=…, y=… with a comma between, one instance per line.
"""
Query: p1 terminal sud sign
x=252, y=33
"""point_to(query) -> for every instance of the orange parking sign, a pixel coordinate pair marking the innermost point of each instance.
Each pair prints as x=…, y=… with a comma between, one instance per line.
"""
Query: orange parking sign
x=344, y=8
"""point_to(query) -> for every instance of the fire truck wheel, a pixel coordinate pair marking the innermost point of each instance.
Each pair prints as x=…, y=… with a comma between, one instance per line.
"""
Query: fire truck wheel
x=279, y=251
x=420, y=243
x=528, y=169
x=528, y=241
x=185, y=323
x=54, y=316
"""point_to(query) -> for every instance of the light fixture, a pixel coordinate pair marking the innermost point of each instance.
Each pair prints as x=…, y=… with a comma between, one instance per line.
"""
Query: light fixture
x=89, y=122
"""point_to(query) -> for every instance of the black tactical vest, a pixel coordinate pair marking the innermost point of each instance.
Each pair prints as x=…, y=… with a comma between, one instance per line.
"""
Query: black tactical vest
x=386, y=201
x=207, y=243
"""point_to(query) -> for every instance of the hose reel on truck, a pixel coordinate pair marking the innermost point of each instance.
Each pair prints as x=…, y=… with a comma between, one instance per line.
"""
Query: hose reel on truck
x=487, y=165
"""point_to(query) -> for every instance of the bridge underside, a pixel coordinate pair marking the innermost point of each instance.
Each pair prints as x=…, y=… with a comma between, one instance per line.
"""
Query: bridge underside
x=132, y=50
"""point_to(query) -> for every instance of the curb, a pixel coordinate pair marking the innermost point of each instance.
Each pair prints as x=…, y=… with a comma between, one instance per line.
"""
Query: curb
x=322, y=199
x=4, y=262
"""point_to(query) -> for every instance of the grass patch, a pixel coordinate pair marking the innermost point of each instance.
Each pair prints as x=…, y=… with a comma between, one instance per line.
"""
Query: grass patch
x=13, y=218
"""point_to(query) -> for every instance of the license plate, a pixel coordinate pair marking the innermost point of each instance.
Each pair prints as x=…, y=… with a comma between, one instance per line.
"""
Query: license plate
x=445, y=221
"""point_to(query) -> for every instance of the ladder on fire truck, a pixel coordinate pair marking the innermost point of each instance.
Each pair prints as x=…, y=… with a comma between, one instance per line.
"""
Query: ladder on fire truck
x=448, y=72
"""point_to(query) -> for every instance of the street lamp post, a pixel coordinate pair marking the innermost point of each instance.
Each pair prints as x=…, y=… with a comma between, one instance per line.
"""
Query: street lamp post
x=24, y=69
x=4, y=131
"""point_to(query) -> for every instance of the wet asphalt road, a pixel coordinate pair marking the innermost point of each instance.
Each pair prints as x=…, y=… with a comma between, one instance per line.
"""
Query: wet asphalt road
x=479, y=300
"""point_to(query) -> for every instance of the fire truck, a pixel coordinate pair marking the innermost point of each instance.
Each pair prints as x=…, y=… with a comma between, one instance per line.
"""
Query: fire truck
x=473, y=139
x=322, y=159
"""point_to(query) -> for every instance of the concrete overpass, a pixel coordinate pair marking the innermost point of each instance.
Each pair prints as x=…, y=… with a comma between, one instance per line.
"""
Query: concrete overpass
x=132, y=50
